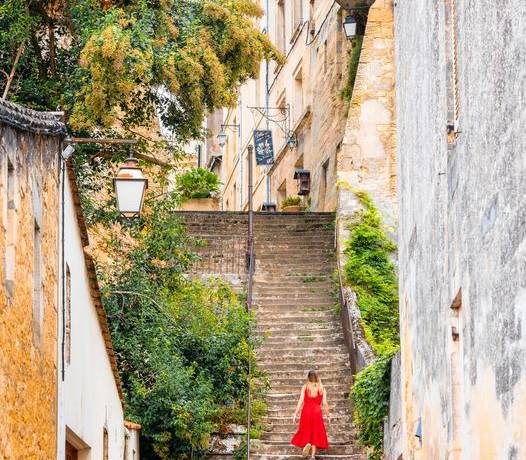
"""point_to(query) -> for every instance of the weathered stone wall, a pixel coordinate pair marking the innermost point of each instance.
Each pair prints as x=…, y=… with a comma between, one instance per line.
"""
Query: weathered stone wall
x=462, y=227
x=367, y=160
x=28, y=347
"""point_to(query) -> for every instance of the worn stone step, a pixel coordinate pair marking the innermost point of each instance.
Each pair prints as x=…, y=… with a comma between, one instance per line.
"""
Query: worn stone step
x=300, y=374
x=302, y=353
x=299, y=326
x=277, y=344
x=266, y=447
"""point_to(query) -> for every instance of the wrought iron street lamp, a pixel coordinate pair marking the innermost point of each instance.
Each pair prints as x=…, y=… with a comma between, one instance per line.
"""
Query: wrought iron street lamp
x=130, y=185
x=349, y=26
x=221, y=138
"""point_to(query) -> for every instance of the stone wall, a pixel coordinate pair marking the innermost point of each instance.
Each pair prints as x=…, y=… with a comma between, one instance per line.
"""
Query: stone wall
x=462, y=246
x=30, y=144
x=367, y=160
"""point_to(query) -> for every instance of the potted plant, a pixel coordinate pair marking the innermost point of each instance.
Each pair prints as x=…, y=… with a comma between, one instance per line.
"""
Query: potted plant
x=198, y=189
x=292, y=204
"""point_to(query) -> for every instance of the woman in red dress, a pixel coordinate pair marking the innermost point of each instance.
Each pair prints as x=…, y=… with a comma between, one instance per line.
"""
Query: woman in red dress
x=311, y=434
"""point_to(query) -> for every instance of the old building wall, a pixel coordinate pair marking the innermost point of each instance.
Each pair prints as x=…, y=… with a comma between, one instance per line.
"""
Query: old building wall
x=462, y=246
x=91, y=393
x=29, y=229
x=310, y=84
x=367, y=159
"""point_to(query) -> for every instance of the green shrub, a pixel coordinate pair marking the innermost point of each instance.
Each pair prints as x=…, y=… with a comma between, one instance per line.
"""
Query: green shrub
x=370, y=397
x=198, y=183
x=291, y=201
x=371, y=274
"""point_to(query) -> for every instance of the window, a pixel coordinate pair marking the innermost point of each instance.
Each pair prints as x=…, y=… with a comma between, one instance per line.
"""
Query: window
x=282, y=192
x=325, y=56
x=453, y=95
x=68, y=315
x=324, y=181
x=10, y=231
x=38, y=312
x=37, y=283
x=297, y=14
x=298, y=94
x=199, y=154
x=105, y=445
x=280, y=26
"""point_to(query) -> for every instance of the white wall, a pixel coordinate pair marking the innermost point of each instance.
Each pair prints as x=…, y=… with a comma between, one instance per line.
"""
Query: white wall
x=88, y=398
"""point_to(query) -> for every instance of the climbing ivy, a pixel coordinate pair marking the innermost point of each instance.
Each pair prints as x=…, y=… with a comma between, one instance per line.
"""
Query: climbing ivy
x=370, y=397
x=370, y=272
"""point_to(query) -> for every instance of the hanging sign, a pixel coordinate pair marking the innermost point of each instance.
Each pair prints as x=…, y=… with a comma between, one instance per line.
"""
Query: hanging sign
x=263, y=147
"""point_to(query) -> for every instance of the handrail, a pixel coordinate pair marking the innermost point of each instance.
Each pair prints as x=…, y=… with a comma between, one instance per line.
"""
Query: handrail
x=250, y=280
x=345, y=318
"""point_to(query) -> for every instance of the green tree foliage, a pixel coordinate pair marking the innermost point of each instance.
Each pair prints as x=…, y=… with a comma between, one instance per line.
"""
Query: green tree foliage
x=198, y=183
x=181, y=344
x=111, y=62
x=370, y=271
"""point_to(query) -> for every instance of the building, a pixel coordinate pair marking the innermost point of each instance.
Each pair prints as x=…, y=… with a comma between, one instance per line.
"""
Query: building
x=461, y=113
x=298, y=101
x=30, y=143
x=90, y=394
x=59, y=382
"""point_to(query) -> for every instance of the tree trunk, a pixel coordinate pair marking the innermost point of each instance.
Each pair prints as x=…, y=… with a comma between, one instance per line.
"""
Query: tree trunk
x=13, y=70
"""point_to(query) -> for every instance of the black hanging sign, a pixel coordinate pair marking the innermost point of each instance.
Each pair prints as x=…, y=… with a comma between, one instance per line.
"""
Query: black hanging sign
x=263, y=147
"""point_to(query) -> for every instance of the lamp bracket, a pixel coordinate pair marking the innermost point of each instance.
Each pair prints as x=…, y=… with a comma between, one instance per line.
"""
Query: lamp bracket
x=233, y=127
x=280, y=116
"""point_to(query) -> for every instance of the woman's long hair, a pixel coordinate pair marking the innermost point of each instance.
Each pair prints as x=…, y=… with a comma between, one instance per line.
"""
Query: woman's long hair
x=314, y=385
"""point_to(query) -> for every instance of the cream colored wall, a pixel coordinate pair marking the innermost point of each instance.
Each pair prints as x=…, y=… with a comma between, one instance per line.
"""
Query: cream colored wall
x=88, y=398
x=317, y=111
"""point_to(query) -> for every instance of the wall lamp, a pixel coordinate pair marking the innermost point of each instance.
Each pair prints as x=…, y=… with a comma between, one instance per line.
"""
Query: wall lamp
x=222, y=136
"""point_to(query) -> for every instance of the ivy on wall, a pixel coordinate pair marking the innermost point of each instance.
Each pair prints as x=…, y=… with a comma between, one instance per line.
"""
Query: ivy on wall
x=354, y=60
x=370, y=272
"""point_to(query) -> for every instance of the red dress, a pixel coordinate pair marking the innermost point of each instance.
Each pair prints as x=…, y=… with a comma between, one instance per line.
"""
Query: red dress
x=312, y=428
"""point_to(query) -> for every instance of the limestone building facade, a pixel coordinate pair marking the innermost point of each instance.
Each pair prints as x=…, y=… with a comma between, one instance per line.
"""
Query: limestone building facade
x=461, y=113
x=300, y=99
x=60, y=391
x=29, y=241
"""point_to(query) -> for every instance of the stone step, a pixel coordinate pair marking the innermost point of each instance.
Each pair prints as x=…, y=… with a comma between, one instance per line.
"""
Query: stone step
x=294, y=342
x=322, y=456
x=266, y=448
x=288, y=382
x=301, y=354
x=284, y=315
x=304, y=366
x=300, y=374
x=344, y=436
x=279, y=420
x=299, y=326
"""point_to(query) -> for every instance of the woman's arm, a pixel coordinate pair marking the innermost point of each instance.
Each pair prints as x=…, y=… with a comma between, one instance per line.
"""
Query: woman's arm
x=325, y=405
x=299, y=405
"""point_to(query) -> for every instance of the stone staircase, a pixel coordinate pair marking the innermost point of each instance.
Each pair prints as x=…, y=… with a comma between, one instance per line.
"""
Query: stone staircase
x=295, y=302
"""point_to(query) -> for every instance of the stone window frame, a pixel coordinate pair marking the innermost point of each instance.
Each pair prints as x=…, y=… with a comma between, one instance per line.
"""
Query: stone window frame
x=10, y=209
x=38, y=266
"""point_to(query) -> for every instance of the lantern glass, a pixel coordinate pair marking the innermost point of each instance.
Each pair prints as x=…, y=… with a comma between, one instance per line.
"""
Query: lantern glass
x=130, y=185
x=221, y=138
x=349, y=26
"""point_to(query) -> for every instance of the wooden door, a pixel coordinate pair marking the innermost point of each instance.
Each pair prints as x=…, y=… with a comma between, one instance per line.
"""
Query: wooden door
x=71, y=452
